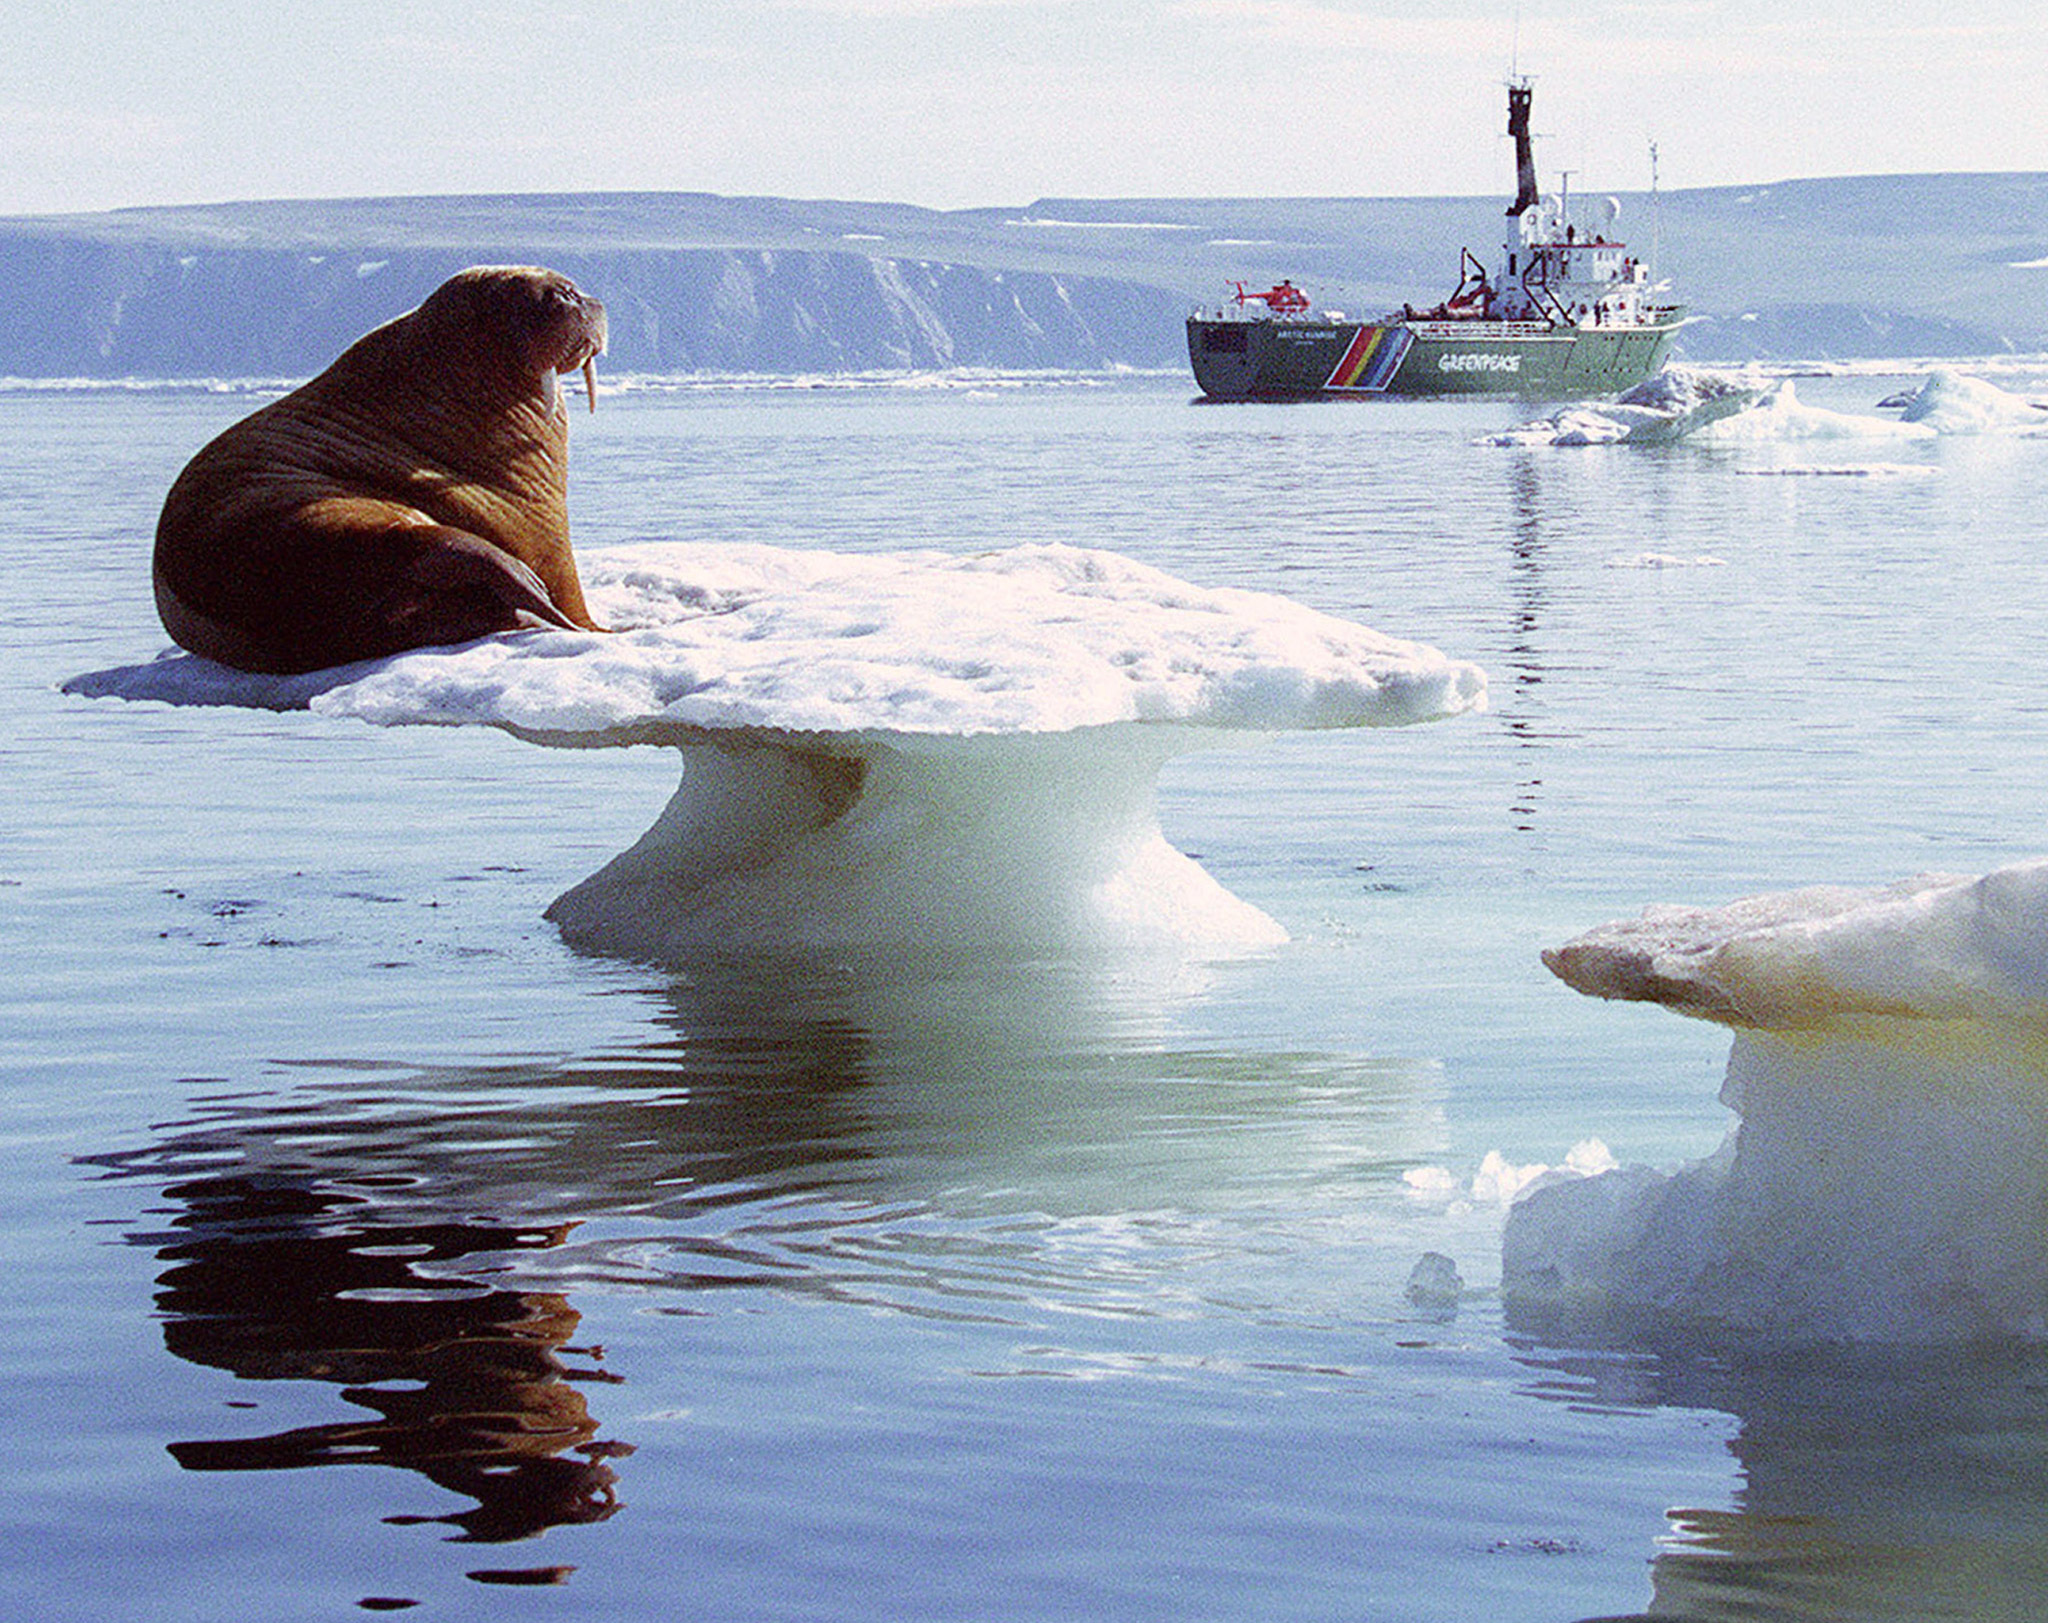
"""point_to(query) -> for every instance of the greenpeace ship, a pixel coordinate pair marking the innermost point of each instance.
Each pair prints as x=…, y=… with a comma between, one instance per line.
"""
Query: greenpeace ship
x=1566, y=313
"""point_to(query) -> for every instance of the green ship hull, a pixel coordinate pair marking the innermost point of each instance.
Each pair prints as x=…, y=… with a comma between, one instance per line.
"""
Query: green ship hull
x=1264, y=359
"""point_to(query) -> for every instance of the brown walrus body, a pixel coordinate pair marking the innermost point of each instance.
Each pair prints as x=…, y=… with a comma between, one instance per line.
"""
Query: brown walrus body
x=412, y=494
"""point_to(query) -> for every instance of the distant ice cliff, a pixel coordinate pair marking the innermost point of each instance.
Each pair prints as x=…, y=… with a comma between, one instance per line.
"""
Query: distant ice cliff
x=96, y=310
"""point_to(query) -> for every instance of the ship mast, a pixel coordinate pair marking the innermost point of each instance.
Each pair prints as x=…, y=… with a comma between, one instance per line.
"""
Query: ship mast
x=1526, y=194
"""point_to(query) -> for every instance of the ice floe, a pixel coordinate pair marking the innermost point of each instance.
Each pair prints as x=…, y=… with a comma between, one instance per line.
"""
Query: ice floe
x=1499, y=1182
x=1745, y=407
x=1946, y=403
x=1779, y=416
x=1670, y=404
x=1666, y=560
x=1887, y=1172
x=880, y=750
x=1951, y=402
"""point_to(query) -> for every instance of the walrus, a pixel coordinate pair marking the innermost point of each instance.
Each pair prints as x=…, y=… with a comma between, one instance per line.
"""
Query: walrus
x=413, y=494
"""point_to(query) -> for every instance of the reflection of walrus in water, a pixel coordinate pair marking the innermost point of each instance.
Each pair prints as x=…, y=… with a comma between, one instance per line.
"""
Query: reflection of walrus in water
x=413, y=494
x=465, y=1384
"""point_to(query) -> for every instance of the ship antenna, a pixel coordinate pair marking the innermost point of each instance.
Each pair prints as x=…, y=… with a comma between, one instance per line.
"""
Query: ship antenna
x=1656, y=215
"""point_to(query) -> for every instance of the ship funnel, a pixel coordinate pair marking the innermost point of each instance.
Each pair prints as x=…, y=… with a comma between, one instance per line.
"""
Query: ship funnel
x=1525, y=155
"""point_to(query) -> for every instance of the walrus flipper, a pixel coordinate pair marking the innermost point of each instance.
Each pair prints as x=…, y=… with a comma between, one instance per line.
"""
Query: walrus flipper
x=459, y=574
x=353, y=598
x=451, y=587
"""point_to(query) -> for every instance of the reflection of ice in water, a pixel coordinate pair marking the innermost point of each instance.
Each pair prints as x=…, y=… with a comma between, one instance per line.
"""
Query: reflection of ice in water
x=1875, y=1484
x=1029, y=1143
x=912, y=749
x=1886, y=1178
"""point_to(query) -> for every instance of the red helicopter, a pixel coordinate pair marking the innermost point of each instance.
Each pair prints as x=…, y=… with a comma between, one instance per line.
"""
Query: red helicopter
x=1286, y=299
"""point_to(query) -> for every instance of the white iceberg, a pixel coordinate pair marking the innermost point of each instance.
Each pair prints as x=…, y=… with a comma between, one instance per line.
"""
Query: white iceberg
x=1947, y=403
x=1887, y=1177
x=1779, y=416
x=1668, y=405
x=1951, y=402
x=1744, y=408
x=907, y=749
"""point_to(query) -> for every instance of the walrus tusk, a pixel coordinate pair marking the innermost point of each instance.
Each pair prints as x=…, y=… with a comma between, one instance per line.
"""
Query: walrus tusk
x=590, y=380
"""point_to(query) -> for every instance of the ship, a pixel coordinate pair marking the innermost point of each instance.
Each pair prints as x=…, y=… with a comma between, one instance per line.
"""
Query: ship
x=1566, y=313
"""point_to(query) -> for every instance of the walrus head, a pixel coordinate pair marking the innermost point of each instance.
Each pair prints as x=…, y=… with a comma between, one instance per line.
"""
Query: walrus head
x=537, y=316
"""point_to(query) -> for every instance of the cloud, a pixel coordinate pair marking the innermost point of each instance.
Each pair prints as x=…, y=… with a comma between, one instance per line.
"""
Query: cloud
x=88, y=128
x=1331, y=27
x=877, y=10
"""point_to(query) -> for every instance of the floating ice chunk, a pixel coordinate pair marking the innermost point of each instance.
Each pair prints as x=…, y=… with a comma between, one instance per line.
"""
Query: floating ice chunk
x=1032, y=639
x=900, y=749
x=1668, y=405
x=1500, y=1182
x=1949, y=402
x=1937, y=947
x=1781, y=416
x=1589, y=1158
x=1741, y=408
x=1434, y=1283
x=1684, y=391
x=1844, y=470
x=1433, y=1183
x=1886, y=1176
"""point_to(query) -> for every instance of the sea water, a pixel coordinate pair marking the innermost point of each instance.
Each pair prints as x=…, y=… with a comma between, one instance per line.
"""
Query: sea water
x=371, y=1249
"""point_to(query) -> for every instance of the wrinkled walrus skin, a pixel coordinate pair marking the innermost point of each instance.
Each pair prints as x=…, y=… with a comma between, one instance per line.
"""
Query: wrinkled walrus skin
x=413, y=494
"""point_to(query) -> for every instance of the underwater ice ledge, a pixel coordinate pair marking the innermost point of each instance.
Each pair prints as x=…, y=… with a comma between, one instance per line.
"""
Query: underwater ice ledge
x=1887, y=1177
x=902, y=750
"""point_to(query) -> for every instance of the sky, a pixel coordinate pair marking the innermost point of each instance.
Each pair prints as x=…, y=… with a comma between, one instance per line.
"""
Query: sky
x=995, y=103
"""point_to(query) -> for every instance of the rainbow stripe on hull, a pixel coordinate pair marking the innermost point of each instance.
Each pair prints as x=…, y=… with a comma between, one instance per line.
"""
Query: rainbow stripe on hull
x=1372, y=359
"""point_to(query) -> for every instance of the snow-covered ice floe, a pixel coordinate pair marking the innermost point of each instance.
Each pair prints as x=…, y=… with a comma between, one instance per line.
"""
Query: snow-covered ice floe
x=1668, y=405
x=1746, y=408
x=1887, y=1177
x=889, y=750
x=1946, y=404
x=1951, y=402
